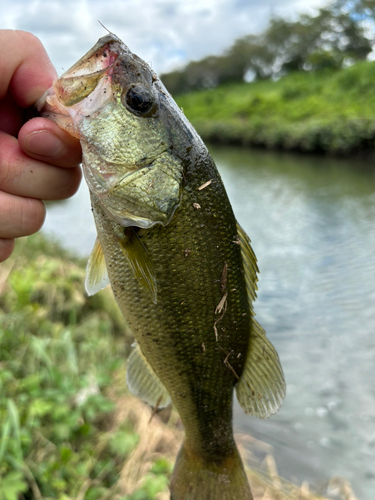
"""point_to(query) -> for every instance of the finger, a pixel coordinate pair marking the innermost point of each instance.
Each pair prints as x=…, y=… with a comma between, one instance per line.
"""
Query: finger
x=25, y=67
x=23, y=176
x=6, y=249
x=11, y=116
x=20, y=216
x=44, y=140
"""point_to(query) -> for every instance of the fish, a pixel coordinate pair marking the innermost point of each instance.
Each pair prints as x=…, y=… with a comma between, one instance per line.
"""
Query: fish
x=181, y=268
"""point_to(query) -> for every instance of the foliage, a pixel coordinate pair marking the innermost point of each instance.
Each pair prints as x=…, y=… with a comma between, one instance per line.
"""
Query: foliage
x=59, y=375
x=363, y=8
x=327, y=111
x=335, y=37
x=60, y=353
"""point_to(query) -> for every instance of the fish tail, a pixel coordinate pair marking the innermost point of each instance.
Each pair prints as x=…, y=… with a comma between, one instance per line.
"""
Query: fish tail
x=197, y=479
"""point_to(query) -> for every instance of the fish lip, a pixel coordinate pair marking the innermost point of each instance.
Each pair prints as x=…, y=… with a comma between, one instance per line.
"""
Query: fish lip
x=94, y=63
x=81, y=67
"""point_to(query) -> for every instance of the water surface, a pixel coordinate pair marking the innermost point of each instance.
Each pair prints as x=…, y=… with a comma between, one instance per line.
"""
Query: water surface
x=312, y=224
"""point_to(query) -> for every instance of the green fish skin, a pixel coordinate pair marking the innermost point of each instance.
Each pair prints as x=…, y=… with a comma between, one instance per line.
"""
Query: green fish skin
x=181, y=269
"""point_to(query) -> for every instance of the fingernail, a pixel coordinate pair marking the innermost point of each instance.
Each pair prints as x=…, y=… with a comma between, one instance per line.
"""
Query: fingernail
x=44, y=143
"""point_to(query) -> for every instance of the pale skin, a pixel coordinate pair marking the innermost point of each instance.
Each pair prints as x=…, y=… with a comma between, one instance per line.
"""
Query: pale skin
x=38, y=160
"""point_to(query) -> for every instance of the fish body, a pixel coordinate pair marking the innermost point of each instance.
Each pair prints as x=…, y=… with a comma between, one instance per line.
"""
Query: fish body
x=181, y=268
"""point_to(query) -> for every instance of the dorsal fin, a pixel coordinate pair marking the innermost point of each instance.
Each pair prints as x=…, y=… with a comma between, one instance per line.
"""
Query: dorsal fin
x=249, y=264
x=261, y=388
x=96, y=270
x=139, y=261
x=143, y=381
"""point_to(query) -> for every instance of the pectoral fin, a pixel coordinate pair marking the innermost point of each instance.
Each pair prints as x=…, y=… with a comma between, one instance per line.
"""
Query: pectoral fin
x=261, y=388
x=143, y=381
x=96, y=271
x=139, y=261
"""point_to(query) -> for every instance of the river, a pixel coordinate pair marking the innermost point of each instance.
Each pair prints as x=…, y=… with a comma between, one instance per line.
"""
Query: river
x=312, y=224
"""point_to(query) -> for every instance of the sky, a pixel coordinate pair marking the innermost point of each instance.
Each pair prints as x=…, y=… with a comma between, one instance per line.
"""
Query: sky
x=165, y=33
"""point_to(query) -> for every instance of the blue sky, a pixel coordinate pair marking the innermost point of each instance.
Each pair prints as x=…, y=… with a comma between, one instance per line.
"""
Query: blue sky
x=166, y=33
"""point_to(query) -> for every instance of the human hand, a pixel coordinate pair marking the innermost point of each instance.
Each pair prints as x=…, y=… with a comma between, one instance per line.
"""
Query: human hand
x=43, y=163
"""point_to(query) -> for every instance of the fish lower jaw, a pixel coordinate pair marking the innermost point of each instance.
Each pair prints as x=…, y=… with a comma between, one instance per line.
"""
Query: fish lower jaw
x=50, y=107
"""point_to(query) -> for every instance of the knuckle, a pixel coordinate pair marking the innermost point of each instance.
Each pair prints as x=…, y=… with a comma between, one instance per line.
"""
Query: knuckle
x=29, y=39
x=10, y=160
x=5, y=173
x=20, y=216
x=31, y=216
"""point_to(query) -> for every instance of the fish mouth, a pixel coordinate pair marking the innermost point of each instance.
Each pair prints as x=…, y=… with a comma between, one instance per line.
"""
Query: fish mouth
x=102, y=55
x=66, y=101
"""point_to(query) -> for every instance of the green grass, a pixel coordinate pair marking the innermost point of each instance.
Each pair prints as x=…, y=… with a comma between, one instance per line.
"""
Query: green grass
x=62, y=362
x=69, y=430
x=332, y=111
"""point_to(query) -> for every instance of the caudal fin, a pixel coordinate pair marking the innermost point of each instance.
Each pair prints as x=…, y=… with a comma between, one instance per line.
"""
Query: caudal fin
x=196, y=479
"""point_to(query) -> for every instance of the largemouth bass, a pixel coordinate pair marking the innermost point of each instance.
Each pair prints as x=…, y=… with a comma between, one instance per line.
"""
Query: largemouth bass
x=181, y=268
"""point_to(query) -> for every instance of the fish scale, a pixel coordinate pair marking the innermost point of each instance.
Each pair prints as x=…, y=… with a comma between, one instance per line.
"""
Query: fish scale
x=181, y=268
x=188, y=292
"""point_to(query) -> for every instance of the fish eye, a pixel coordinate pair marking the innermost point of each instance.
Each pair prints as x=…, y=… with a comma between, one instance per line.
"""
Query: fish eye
x=138, y=99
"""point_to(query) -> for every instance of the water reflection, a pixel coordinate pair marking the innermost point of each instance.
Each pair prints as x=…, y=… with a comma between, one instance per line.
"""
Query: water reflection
x=311, y=221
x=71, y=222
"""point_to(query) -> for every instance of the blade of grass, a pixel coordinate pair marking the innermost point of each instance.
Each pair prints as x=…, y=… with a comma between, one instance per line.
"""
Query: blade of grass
x=4, y=439
x=15, y=420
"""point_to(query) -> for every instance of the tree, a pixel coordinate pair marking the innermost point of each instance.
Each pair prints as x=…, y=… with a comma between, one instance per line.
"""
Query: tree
x=337, y=35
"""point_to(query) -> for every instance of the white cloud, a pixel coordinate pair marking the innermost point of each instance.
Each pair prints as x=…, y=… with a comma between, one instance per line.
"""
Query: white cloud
x=165, y=33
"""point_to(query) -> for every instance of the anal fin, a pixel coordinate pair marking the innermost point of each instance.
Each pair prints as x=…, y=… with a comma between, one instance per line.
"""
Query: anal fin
x=143, y=381
x=261, y=388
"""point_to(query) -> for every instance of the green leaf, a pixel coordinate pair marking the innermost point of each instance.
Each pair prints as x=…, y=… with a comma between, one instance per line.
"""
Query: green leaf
x=15, y=421
x=65, y=454
x=154, y=484
x=162, y=466
x=12, y=485
x=123, y=442
x=151, y=486
x=4, y=439
x=40, y=407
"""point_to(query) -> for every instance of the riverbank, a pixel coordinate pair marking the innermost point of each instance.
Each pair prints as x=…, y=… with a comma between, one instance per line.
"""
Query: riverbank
x=330, y=112
x=68, y=426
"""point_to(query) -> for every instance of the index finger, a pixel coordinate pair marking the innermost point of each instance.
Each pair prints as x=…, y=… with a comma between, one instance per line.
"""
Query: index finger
x=25, y=67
